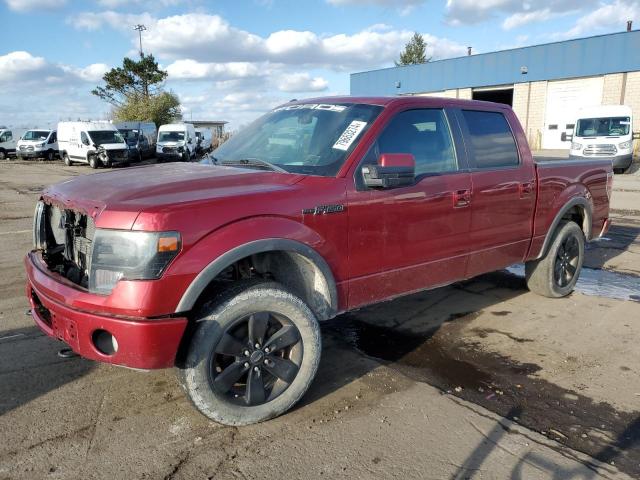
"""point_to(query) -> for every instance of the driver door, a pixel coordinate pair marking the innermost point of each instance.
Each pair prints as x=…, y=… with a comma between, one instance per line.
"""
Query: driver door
x=414, y=237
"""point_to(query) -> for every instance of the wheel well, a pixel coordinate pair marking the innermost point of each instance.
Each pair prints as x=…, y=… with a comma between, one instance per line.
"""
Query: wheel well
x=294, y=270
x=577, y=214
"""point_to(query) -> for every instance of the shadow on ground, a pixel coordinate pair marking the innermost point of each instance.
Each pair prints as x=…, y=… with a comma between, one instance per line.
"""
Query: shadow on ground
x=30, y=367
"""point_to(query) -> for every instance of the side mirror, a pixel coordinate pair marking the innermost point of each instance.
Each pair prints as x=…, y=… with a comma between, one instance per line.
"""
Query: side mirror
x=393, y=170
x=190, y=141
x=566, y=138
x=636, y=135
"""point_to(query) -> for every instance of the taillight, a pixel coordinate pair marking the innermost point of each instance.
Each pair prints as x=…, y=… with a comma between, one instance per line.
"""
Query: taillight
x=609, y=185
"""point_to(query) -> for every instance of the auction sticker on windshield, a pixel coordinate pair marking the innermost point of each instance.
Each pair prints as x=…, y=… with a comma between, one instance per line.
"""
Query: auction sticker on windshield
x=349, y=135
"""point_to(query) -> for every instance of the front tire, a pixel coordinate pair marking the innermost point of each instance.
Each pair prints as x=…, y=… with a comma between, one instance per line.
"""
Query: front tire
x=3, y=155
x=67, y=160
x=254, y=352
x=93, y=161
x=555, y=275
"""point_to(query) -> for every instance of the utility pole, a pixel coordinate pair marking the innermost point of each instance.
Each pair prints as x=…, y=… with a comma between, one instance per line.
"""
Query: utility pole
x=140, y=28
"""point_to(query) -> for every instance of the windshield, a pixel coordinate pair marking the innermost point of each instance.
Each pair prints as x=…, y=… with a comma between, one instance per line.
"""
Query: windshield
x=102, y=137
x=313, y=139
x=607, y=127
x=36, y=135
x=171, y=136
x=131, y=136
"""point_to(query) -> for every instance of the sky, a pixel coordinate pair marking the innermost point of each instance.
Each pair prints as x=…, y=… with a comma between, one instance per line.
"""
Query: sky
x=234, y=60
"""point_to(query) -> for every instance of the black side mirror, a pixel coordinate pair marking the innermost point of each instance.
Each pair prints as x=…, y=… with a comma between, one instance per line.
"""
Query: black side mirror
x=393, y=170
x=566, y=137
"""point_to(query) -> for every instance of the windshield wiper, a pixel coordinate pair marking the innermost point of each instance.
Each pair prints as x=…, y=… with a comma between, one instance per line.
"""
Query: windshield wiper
x=253, y=163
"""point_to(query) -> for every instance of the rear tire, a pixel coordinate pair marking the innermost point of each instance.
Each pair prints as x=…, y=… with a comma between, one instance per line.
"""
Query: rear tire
x=555, y=275
x=252, y=355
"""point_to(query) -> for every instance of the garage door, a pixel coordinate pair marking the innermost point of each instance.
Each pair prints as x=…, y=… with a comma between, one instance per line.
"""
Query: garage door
x=564, y=99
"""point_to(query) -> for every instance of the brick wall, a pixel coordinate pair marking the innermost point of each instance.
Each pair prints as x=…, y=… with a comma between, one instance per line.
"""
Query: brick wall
x=612, y=89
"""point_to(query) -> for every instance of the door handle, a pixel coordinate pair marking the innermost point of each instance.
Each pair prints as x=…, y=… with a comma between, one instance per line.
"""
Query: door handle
x=526, y=189
x=461, y=198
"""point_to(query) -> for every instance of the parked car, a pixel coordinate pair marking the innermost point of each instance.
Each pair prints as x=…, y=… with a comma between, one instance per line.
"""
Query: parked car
x=140, y=137
x=176, y=141
x=224, y=270
x=8, y=141
x=604, y=132
x=95, y=143
x=39, y=143
x=204, y=137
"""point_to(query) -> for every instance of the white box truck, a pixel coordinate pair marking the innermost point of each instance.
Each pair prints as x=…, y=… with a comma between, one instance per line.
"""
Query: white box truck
x=38, y=143
x=141, y=138
x=603, y=132
x=176, y=141
x=95, y=143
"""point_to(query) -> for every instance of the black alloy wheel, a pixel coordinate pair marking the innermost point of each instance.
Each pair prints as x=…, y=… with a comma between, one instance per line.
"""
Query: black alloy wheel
x=567, y=259
x=256, y=359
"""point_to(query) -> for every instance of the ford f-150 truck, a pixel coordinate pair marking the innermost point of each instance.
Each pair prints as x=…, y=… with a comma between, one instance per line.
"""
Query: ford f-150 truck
x=223, y=269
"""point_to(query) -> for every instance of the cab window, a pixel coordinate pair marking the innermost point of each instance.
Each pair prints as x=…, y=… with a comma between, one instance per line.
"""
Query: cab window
x=423, y=133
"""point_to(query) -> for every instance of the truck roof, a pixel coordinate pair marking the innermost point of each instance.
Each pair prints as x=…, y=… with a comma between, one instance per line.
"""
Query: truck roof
x=90, y=125
x=427, y=101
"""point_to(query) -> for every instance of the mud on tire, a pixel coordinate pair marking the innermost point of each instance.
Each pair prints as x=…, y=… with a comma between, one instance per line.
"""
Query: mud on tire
x=252, y=355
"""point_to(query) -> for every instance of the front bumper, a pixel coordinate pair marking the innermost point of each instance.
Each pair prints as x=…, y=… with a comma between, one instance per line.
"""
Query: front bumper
x=169, y=156
x=620, y=161
x=142, y=343
x=30, y=153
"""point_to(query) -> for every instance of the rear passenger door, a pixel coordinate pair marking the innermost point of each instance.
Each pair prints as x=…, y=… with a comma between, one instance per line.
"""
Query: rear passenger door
x=412, y=237
x=503, y=192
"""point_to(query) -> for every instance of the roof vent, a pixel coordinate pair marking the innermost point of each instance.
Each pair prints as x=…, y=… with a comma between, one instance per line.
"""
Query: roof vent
x=398, y=84
x=524, y=70
x=629, y=25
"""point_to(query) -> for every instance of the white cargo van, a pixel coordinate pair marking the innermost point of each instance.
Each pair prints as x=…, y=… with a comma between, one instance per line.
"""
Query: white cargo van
x=8, y=140
x=38, y=143
x=141, y=138
x=204, y=139
x=95, y=143
x=176, y=141
x=604, y=132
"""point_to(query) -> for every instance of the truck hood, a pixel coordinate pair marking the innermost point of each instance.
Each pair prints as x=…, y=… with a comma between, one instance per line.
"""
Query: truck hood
x=114, y=199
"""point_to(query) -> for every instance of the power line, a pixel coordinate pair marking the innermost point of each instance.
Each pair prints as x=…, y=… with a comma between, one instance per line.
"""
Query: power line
x=140, y=28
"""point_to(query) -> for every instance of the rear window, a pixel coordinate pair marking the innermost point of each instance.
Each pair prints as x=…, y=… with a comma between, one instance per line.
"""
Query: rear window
x=491, y=139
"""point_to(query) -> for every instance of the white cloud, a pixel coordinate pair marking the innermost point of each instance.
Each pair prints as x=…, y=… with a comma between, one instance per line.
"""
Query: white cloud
x=211, y=39
x=522, y=18
x=19, y=68
x=466, y=12
x=404, y=6
x=30, y=5
x=192, y=70
x=608, y=16
x=302, y=82
x=47, y=91
x=119, y=21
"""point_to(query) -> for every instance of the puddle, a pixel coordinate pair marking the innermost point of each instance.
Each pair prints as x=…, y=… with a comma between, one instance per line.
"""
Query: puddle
x=600, y=283
x=497, y=383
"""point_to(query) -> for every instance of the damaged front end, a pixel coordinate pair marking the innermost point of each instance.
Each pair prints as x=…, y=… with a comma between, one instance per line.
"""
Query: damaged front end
x=98, y=258
x=65, y=238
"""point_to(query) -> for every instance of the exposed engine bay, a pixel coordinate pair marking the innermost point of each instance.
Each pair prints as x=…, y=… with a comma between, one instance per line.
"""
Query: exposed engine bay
x=67, y=243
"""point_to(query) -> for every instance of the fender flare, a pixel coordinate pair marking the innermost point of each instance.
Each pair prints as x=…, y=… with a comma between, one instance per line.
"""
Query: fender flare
x=586, y=226
x=211, y=271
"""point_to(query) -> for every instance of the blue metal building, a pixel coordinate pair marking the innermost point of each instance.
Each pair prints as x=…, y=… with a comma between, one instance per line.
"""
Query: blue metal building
x=545, y=84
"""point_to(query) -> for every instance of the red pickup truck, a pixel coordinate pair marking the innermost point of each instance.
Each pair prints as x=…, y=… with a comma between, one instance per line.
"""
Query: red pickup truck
x=223, y=269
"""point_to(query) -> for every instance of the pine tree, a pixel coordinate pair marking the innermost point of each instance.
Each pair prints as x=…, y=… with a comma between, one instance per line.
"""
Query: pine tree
x=415, y=52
